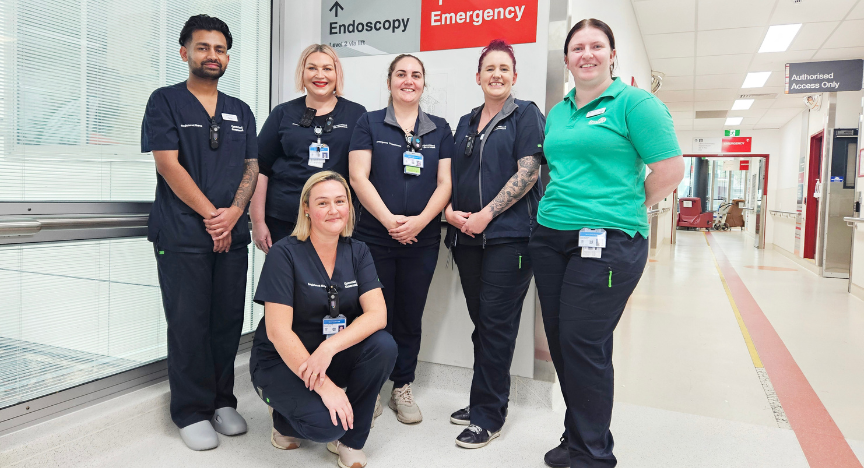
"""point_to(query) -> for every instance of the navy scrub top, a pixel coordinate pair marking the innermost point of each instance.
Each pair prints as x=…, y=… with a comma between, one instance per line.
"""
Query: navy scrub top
x=283, y=151
x=293, y=275
x=176, y=120
x=515, y=132
x=403, y=194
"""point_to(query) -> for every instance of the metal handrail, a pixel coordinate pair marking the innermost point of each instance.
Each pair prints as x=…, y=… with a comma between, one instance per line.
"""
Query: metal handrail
x=19, y=226
x=784, y=214
x=657, y=212
x=850, y=221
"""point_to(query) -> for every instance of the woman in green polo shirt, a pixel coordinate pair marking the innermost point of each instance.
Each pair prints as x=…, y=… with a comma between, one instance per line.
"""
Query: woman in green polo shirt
x=598, y=141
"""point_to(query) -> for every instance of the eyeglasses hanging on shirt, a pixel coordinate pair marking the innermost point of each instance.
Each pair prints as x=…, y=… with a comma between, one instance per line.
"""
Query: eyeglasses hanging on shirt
x=318, y=152
x=412, y=160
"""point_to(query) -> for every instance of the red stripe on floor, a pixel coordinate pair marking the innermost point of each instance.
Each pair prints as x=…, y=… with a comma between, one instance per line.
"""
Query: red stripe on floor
x=820, y=438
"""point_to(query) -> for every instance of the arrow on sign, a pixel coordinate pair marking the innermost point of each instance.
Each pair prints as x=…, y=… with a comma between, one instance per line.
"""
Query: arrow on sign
x=336, y=6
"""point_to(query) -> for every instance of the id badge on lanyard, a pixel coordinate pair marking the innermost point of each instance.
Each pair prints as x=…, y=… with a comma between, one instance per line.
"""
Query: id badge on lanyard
x=318, y=153
x=333, y=322
x=412, y=160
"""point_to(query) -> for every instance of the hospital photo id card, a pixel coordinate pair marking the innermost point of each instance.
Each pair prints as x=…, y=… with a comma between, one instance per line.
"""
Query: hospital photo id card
x=413, y=162
x=318, y=153
x=333, y=326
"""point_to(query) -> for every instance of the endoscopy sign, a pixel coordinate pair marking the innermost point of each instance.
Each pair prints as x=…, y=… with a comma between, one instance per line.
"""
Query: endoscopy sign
x=373, y=27
x=824, y=77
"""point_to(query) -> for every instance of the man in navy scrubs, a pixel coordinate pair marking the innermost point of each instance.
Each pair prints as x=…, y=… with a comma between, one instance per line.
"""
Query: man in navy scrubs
x=205, y=148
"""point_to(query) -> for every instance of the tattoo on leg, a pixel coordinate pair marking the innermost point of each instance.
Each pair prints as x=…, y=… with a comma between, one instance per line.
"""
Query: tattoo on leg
x=517, y=186
x=247, y=185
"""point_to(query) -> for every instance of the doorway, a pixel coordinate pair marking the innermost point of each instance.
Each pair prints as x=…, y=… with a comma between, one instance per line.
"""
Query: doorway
x=811, y=201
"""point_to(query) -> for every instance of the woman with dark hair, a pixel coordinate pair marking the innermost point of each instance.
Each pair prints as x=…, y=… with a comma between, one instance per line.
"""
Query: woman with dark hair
x=591, y=246
x=399, y=163
x=499, y=149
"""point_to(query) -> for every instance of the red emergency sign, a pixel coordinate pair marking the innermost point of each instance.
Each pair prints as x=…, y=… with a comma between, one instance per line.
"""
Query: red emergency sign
x=744, y=165
x=458, y=24
x=737, y=144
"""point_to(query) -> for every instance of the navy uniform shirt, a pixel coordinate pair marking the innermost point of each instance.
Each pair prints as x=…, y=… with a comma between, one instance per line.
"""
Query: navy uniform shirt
x=176, y=120
x=403, y=194
x=283, y=151
x=293, y=275
x=515, y=132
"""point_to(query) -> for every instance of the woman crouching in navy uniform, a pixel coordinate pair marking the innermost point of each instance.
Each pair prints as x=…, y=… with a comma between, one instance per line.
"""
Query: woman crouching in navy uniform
x=499, y=149
x=399, y=163
x=322, y=330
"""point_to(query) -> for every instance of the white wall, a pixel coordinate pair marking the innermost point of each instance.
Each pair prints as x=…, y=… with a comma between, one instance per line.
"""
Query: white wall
x=783, y=177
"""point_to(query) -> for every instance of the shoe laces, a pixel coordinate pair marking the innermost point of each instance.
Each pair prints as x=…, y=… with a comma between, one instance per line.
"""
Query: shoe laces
x=475, y=429
x=404, y=395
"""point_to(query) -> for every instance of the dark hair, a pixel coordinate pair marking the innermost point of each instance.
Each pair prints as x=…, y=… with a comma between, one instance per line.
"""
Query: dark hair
x=497, y=45
x=593, y=23
x=396, y=60
x=204, y=23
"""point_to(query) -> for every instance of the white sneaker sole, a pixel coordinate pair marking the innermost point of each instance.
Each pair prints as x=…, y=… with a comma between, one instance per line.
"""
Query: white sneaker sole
x=475, y=446
x=293, y=446
x=459, y=422
x=331, y=447
x=399, y=417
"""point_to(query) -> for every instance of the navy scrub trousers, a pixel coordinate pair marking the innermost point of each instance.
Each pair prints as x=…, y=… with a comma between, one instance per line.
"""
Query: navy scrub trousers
x=203, y=296
x=406, y=274
x=495, y=280
x=582, y=300
x=297, y=412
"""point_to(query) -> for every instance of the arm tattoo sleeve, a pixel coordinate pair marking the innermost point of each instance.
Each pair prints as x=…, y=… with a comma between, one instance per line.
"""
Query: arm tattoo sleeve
x=247, y=185
x=517, y=186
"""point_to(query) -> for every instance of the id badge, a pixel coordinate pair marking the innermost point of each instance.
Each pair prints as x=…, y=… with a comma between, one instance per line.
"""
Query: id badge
x=410, y=158
x=591, y=252
x=316, y=154
x=592, y=238
x=332, y=326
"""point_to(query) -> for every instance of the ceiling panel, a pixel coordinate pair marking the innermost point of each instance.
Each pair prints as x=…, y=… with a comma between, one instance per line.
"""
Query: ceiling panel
x=848, y=34
x=674, y=66
x=716, y=94
x=729, y=41
x=683, y=127
x=677, y=83
x=762, y=104
x=666, y=16
x=846, y=53
x=680, y=106
x=713, y=105
x=679, y=115
x=781, y=114
x=714, y=14
x=748, y=114
x=805, y=11
x=670, y=45
x=673, y=96
x=777, y=79
x=703, y=124
x=857, y=12
x=776, y=61
x=812, y=35
x=727, y=81
x=722, y=64
x=767, y=126
x=789, y=101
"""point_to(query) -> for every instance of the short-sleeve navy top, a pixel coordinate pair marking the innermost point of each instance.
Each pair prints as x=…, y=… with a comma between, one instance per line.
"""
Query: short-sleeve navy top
x=404, y=194
x=293, y=275
x=176, y=120
x=283, y=152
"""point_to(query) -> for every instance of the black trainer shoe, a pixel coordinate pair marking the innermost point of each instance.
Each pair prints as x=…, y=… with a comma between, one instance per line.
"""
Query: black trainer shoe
x=475, y=437
x=461, y=417
x=558, y=457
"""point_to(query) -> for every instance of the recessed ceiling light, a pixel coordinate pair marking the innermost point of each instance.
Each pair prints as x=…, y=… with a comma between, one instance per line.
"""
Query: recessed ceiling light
x=742, y=104
x=734, y=120
x=779, y=37
x=756, y=80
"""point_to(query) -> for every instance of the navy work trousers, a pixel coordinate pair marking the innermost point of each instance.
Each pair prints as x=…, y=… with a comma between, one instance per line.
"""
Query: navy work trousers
x=279, y=229
x=406, y=273
x=297, y=412
x=203, y=296
x=582, y=300
x=495, y=281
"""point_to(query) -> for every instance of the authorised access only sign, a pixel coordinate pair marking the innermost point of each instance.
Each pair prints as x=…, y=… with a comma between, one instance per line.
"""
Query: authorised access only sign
x=372, y=27
x=824, y=77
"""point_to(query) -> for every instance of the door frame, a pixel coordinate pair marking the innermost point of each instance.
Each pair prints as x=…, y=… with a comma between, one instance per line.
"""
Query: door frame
x=811, y=203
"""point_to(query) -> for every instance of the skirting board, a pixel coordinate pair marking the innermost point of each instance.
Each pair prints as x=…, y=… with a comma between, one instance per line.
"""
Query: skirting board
x=811, y=267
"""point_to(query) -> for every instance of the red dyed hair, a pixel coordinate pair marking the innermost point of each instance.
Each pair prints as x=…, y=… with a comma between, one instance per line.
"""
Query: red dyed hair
x=499, y=45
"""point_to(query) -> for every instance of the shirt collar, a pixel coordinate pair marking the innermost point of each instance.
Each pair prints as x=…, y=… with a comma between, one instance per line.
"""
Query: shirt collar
x=510, y=105
x=612, y=91
x=426, y=124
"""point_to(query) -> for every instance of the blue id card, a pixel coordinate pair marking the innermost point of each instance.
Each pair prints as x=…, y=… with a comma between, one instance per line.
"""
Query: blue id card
x=333, y=326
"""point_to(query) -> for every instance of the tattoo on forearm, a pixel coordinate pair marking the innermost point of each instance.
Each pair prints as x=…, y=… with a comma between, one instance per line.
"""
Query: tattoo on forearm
x=517, y=186
x=247, y=185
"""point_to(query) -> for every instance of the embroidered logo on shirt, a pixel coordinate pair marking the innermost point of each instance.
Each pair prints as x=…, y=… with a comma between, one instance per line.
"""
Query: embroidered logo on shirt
x=350, y=284
x=388, y=143
x=237, y=128
x=500, y=127
x=191, y=125
x=341, y=126
x=428, y=146
x=316, y=285
x=598, y=121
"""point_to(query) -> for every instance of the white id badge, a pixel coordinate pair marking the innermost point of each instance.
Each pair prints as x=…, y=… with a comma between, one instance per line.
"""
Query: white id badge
x=592, y=238
x=591, y=252
x=333, y=326
x=410, y=158
x=317, y=152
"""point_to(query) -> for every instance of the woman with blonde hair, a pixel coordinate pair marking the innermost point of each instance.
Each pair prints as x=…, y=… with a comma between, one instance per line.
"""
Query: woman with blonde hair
x=301, y=137
x=323, y=328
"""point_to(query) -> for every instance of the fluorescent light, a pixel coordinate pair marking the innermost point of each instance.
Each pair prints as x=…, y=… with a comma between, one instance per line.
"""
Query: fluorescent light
x=756, y=80
x=779, y=37
x=742, y=104
x=734, y=120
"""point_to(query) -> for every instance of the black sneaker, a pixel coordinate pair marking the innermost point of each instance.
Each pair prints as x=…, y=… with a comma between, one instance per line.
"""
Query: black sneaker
x=558, y=457
x=475, y=437
x=461, y=417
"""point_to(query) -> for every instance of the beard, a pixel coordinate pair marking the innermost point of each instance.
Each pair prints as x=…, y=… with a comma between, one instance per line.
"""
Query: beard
x=207, y=73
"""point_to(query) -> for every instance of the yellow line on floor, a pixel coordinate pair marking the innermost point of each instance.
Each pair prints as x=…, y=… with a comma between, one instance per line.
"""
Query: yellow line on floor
x=754, y=355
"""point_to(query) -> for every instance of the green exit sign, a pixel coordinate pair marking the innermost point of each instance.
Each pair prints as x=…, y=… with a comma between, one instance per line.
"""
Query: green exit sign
x=733, y=132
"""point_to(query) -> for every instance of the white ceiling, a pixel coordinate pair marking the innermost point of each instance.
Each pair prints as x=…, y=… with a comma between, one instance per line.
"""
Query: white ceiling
x=707, y=47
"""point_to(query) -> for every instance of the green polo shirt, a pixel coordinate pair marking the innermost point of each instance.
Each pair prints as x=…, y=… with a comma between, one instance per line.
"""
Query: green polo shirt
x=597, y=163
